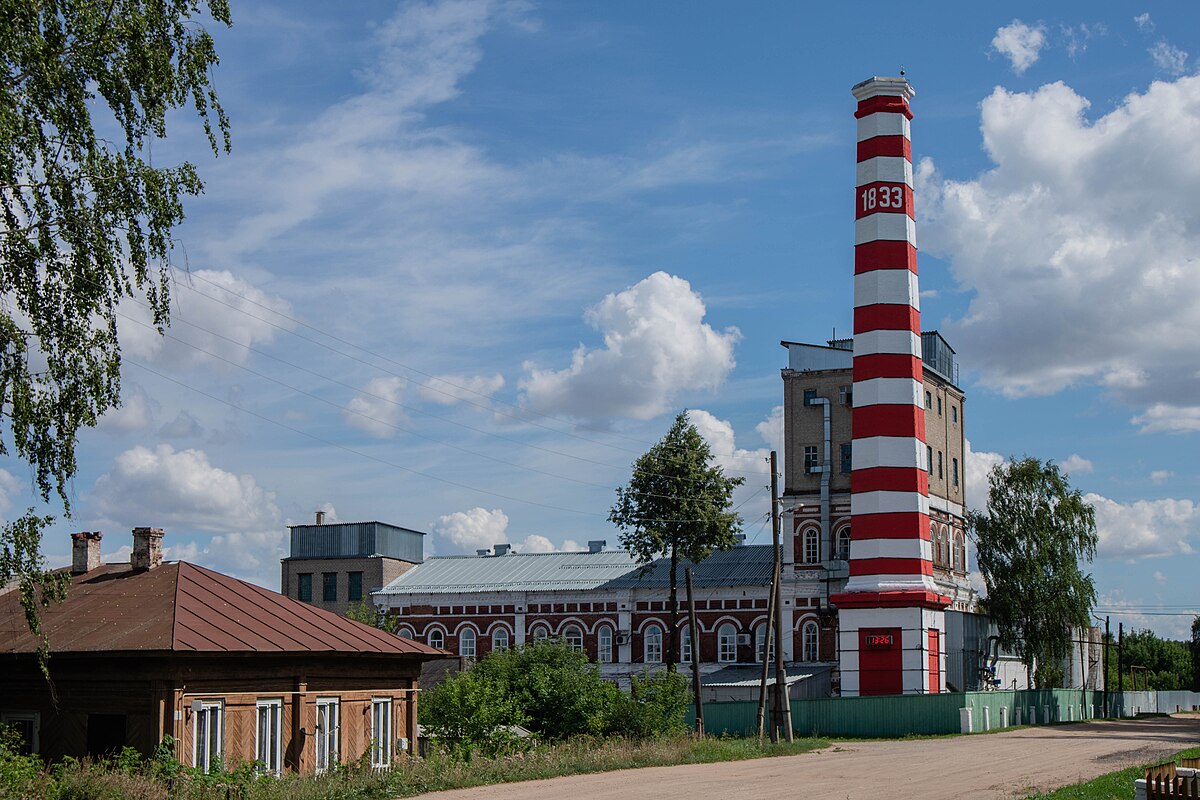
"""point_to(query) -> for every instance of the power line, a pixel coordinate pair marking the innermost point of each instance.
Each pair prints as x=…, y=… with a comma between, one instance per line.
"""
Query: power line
x=420, y=473
x=522, y=416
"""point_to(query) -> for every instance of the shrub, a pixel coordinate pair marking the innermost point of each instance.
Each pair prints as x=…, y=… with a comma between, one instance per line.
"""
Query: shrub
x=653, y=708
x=471, y=711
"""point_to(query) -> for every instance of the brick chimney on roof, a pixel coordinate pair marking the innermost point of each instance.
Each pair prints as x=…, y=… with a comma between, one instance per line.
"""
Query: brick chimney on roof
x=85, y=551
x=147, y=548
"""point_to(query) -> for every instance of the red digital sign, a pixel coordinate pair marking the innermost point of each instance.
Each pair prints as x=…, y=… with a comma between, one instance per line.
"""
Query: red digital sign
x=879, y=639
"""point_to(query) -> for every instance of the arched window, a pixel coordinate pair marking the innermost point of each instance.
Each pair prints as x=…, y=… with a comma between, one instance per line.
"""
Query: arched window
x=945, y=546
x=406, y=632
x=574, y=638
x=810, y=642
x=812, y=550
x=727, y=643
x=435, y=638
x=960, y=552
x=541, y=633
x=843, y=544
x=685, y=644
x=760, y=638
x=604, y=645
x=466, y=643
x=499, y=640
x=652, y=645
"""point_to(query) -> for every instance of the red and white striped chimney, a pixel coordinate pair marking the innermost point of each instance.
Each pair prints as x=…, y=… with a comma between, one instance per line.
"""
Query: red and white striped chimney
x=891, y=560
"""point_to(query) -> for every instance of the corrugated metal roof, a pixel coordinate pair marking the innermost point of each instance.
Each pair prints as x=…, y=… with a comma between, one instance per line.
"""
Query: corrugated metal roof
x=181, y=607
x=610, y=569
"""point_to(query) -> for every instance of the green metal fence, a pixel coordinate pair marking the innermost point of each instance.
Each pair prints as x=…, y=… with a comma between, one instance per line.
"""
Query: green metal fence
x=909, y=715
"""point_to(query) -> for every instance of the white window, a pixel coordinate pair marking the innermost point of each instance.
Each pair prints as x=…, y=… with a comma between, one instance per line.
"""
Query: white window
x=811, y=640
x=843, y=544
x=328, y=732
x=466, y=643
x=381, y=732
x=406, y=632
x=960, y=552
x=436, y=638
x=604, y=645
x=574, y=638
x=727, y=643
x=268, y=740
x=207, y=736
x=540, y=634
x=499, y=640
x=652, y=645
x=760, y=637
x=810, y=458
x=812, y=549
x=685, y=644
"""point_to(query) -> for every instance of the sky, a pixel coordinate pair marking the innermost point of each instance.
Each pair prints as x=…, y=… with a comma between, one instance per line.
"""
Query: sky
x=467, y=260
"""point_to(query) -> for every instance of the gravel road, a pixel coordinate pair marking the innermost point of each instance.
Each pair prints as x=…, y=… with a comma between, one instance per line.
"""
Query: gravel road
x=997, y=765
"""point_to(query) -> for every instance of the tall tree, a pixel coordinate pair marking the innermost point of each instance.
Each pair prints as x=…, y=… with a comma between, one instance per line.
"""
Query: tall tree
x=86, y=87
x=1196, y=654
x=676, y=505
x=1029, y=542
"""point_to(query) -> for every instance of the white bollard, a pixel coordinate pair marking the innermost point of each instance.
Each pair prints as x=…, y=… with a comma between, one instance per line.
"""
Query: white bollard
x=964, y=720
x=1004, y=717
x=1017, y=716
x=1046, y=715
x=987, y=718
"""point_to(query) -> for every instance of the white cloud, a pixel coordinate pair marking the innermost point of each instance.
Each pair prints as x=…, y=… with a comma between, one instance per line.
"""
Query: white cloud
x=1078, y=36
x=1077, y=245
x=481, y=529
x=376, y=408
x=977, y=465
x=1158, y=576
x=164, y=487
x=1144, y=22
x=1145, y=528
x=1161, y=476
x=476, y=529
x=449, y=390
x=136, y=412
x=771, y=431
x=1169, y=58
x=720, y=437
x=9, y=486
x=1168, y=418
x=1021, y=44
x=656, y=344
x=218, y=314
x=1076, y=464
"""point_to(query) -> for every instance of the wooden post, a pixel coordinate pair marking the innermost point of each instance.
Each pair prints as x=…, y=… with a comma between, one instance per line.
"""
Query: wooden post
x=766, y=659
x=783, y=701
x=694, y=634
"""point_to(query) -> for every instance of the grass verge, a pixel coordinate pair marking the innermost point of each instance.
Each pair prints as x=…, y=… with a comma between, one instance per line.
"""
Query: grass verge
x=141, y=780
x=1113, y=786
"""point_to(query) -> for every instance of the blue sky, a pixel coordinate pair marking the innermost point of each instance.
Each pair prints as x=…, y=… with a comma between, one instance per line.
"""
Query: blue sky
x=467, y=259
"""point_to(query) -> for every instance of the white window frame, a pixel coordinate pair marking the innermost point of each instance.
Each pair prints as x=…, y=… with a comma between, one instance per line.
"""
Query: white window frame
x=35, y=721
x=652, y=645
x=843, y=544
x=812, y=546
x=500, y=640
x=466, y=643
x=760, y=638
x=727, y=643
x=959, y=546
x=810, y=636
x=541, y=633
x=269, y=753
x=211, y=711
x=685, y=644
x=573, y=637
x=381, y=732
x=328, y=733
x=439, y=635
x=604, y=645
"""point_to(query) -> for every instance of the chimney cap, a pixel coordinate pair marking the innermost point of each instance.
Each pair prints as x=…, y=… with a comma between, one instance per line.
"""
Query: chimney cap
x=483, y=551
x=502, y=549
x=320, y=514
x=597, y=545
x=876, y=86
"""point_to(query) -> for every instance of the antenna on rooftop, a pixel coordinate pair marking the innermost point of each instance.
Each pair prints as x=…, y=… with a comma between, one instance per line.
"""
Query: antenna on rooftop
x=901, y=70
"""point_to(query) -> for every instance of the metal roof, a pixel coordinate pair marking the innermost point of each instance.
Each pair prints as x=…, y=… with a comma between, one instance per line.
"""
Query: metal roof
x=746, y=677
x=609, y=569
x=180, y=607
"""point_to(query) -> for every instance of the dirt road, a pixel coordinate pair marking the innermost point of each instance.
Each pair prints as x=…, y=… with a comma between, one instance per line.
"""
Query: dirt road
x=999, y=765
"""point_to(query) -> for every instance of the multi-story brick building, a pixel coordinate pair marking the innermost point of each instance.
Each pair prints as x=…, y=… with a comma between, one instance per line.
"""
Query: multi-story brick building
x=602, y=603
x=333, y=565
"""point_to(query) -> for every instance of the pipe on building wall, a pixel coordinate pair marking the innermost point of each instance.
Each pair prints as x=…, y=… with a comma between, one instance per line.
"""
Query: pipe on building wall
x=826, y=471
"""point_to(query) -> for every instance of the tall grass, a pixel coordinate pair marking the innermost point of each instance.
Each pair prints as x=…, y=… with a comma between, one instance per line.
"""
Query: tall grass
x=130, y=778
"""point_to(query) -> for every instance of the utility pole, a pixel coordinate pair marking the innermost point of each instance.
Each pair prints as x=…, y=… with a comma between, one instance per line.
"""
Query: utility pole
x=1107, y=644
x=1121, y=660
x=784, y=704
x=768, y=638
x=694, y=637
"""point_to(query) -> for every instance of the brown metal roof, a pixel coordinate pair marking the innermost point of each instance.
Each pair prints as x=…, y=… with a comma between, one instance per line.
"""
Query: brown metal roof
x=181, y=607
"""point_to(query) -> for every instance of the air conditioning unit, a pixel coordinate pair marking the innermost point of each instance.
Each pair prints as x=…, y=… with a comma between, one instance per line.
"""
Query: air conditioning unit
x=743, y=640
x=623, y=637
